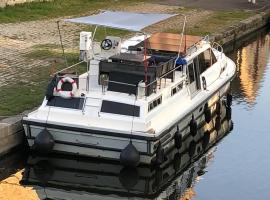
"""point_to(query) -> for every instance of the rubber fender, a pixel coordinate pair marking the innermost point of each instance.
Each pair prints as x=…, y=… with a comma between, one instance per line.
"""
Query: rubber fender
x=43, y=170
x=218, y=108
x=192, y=148
x=205, y=139
x=228, y=113
x=229, y=99
x=207, y=113
x=193, y=126
x=44, y=142
x=177, y=162
x=218, y=123
x=130, y=156
x=128, y=177
x=178, y=139
x=160, y=155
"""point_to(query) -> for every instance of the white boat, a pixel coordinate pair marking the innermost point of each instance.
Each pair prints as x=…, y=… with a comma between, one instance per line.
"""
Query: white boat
x=66, y=177
x=138, y=99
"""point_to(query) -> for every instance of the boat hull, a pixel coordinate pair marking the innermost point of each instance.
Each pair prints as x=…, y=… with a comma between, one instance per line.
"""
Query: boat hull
x=109, y=145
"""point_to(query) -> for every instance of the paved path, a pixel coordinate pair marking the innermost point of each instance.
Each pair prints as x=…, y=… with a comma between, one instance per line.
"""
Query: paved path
x=220, y=4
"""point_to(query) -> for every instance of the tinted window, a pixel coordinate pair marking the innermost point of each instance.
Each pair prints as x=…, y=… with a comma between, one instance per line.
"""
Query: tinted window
x=191, y=73
x=120, y=108
x=74, y=103
x=154, y=103
x=206, y=59
x=176, y=88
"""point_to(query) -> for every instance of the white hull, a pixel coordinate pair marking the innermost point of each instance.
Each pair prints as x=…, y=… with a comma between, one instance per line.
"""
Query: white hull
x=95, y=178
x=109, y=145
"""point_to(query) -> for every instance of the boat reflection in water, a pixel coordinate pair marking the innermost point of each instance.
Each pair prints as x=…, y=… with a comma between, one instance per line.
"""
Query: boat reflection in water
x=251, y=70
x=63, y=177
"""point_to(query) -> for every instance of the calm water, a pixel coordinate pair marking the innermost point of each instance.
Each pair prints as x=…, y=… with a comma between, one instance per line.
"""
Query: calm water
x=236, y=168
x=240, y=169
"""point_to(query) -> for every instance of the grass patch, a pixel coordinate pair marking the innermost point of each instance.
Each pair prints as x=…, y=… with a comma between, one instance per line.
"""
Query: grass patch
x=18, y=98
x=25, y=95
x=57, y=8
x=217, y=21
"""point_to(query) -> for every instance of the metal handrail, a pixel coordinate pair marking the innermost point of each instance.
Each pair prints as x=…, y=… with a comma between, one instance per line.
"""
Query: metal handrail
x=174, y=69
x=217, y=46
x=146, y=86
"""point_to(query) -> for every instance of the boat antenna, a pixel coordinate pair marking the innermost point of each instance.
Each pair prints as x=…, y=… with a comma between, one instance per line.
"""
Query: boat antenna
x=145, y=61
x=133, y=116
x=185, y=40
x=61, y=41
x=181, y=40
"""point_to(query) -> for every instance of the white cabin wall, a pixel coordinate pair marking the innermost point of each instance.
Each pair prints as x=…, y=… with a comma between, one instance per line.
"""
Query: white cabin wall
x=93, y=74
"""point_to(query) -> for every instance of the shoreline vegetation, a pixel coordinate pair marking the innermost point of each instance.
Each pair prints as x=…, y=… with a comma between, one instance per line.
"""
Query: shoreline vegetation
x=24, y=95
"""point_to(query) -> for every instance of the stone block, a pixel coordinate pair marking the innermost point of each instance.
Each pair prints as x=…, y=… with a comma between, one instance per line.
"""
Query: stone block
x=11, y=133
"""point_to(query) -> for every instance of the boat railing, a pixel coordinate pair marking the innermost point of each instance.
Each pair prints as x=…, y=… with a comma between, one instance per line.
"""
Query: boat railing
x=218, y=47
x=141, y=89
x=163, y=76
x=193, y=48
x=67, y=68
x=75, y=74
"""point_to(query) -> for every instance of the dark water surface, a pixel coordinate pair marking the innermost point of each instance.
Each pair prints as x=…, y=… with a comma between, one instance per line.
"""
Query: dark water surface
x=236, y=168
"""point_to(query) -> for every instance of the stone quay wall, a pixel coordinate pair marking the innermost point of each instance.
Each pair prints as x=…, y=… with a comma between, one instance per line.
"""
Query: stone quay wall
x=243, y=28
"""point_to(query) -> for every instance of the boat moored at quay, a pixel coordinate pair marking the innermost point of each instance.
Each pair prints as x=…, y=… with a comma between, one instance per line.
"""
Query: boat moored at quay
x=138, y=99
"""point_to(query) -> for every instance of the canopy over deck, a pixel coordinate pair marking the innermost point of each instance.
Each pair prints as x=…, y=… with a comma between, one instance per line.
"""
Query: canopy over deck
x=122, y=20
x=170, y=42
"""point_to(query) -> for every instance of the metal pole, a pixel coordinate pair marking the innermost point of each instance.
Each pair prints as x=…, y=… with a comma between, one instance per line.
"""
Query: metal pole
x=145, y=64
x=61, y=41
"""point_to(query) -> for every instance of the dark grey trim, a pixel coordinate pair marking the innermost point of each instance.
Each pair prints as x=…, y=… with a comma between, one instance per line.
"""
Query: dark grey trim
x=29, y=131
x=90, y=146
x=91, y=131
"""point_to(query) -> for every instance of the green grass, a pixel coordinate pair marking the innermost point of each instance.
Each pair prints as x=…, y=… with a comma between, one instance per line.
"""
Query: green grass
x=217, y=21
x=23, y=96
x=18, y=98
x=57, y=8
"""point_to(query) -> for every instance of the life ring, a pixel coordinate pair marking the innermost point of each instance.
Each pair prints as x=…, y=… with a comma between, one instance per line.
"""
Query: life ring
x=66, y=94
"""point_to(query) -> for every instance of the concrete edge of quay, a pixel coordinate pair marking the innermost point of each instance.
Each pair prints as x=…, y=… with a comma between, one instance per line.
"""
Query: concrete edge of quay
x=11, y=129
x=242, y=29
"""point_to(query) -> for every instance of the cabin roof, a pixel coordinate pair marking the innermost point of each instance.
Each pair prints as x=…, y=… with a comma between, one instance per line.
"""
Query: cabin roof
x=122, y=20
x=170, y=42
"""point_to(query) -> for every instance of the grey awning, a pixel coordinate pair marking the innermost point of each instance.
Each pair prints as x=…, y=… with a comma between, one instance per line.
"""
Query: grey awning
x=122, y=20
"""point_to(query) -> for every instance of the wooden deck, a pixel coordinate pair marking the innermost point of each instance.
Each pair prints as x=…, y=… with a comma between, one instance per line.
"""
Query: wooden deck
x=170, y=42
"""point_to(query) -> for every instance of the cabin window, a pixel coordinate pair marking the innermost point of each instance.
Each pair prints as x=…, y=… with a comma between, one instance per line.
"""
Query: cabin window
x=154, y=103
x=191, y=73
x=176, y=89
x=120, y=108
x=206, y=59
